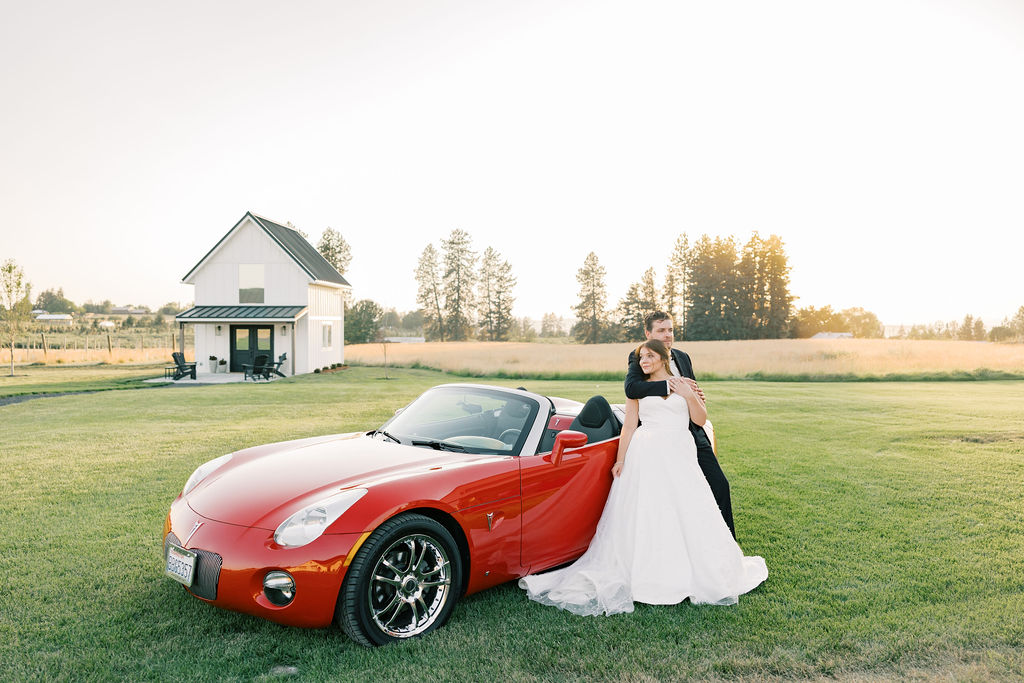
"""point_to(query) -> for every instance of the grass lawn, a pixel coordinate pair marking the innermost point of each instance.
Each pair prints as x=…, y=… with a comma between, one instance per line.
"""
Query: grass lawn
x=44, y=379
x=890, y=515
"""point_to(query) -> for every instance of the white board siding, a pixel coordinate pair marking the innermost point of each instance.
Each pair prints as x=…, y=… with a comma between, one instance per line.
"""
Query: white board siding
x=209, y=344
x=319, y=356
x=325, y=301
x=302, y=364
x=284, y=284
x=325, y=308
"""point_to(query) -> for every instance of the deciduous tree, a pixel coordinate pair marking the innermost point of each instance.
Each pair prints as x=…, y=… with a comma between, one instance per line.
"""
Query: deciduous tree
x=862, y=324
x=15, y=304
x=362, y=322
x=333, y=247
x=55, y=302
x=810, y=320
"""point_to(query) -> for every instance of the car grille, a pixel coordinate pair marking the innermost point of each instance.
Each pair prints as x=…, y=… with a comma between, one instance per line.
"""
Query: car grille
x=204, y=583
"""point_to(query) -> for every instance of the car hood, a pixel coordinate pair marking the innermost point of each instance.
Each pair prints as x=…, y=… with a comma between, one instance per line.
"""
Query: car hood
x=263, y=486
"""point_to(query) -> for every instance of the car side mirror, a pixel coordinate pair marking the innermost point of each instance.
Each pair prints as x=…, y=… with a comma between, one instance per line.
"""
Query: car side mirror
x=566, y=439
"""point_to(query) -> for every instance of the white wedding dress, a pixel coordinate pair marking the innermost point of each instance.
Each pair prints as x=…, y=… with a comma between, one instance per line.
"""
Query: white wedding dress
x=661, y=538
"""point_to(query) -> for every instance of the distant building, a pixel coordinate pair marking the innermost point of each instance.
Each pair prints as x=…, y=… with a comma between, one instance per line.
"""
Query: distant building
x=55, y=319
x=264, y=290
x=833, y=335
x=405, y=340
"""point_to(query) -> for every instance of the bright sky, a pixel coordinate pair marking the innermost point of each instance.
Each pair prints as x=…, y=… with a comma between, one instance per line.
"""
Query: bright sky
x=881, y=139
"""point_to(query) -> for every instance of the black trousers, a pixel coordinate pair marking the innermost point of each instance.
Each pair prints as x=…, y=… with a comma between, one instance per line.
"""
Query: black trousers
x=719, y=484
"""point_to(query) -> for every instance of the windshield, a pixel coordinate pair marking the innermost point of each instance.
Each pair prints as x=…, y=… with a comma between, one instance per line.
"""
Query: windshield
x=470, y=419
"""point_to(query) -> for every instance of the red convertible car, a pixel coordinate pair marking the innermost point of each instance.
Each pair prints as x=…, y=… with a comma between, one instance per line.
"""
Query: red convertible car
x=467, y=487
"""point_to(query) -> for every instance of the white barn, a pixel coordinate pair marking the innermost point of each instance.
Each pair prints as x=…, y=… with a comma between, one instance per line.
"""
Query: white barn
x=263, y=289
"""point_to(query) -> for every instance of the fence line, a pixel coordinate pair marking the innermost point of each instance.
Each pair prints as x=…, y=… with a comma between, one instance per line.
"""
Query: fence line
x=58, y=347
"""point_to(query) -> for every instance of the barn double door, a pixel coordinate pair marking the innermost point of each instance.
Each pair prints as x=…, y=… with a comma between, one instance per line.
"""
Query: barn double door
x=249, y=341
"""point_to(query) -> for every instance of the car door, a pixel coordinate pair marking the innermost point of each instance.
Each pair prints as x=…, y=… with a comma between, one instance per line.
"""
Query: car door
x=563, y=502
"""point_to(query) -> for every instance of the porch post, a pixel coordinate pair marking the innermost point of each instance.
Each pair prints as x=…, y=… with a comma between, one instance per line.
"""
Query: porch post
x=293, y=348
x=181, y=338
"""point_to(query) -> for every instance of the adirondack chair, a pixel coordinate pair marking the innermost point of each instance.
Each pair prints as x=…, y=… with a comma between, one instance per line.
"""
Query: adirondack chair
x=181, y=368
x=258, y=368
x=276, y=369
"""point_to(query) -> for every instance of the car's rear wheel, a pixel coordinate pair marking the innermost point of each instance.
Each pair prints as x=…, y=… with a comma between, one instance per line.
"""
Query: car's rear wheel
x=403, y=582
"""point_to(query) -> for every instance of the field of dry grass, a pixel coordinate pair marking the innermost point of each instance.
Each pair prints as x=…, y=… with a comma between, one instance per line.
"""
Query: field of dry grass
x=808, y=358
x=92, y=355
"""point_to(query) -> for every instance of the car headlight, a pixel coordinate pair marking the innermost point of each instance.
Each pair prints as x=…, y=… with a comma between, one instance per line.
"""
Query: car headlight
x=203, y=471
x=309, y=523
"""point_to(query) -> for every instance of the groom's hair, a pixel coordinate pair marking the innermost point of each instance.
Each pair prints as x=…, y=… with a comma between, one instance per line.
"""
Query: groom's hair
x=652, y=318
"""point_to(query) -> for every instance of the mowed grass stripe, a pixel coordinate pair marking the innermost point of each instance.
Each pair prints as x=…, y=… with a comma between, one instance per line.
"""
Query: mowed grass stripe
x=889, y=515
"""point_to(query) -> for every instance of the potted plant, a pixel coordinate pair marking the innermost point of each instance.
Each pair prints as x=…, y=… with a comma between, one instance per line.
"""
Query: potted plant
x=213, y=363
x=223, y=363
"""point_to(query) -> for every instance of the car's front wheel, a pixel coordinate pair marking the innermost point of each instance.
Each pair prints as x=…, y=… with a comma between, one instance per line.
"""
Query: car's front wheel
x=403, y=582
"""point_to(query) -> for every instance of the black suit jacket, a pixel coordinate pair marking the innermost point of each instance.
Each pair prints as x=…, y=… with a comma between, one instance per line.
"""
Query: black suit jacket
x=637, y=386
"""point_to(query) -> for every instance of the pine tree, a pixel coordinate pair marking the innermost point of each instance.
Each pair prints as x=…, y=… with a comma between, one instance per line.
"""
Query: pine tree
x=966, y=330
x=751, y=297
x=549, y=326
x=674, y=292
x=713, y=283
x=1017, y=323
x=429, y=293
x=495, y=289
x=641, y=298
x=459, y=279
x=590, y=311
x=778, y=302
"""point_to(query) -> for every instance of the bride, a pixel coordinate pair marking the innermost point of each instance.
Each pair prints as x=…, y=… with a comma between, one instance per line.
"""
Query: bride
x=661, y=538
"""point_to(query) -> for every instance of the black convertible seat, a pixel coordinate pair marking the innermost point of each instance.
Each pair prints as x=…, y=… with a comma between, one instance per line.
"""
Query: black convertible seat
x=597, y=420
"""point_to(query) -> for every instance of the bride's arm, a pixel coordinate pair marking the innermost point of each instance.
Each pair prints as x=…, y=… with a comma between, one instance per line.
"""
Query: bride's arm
x=628, y=427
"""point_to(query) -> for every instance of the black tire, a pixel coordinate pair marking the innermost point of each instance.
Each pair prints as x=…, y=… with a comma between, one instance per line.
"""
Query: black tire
x=404, y=582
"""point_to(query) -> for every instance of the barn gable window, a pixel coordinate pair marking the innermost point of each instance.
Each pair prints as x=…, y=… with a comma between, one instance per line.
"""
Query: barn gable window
x=250, y=283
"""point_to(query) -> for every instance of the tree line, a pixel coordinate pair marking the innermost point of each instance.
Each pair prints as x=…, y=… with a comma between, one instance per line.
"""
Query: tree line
x=462, y=296
x=714, y=288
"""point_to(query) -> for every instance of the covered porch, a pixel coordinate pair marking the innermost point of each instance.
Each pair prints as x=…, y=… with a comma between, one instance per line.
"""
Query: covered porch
x=227, y=338
x=206, y=379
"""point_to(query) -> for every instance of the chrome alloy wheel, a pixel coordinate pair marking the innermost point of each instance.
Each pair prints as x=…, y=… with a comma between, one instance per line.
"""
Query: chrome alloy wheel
x=410, y=585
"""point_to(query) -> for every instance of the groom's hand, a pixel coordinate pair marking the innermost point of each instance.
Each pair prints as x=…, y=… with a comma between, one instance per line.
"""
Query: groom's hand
x=685, y=385
x=696, y=389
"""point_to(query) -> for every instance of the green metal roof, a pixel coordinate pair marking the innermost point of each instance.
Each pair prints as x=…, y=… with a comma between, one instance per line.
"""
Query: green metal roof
x=200, y=313
x=293, y=244
x=302, y=251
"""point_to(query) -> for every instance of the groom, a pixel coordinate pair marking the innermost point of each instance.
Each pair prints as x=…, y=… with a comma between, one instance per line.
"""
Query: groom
x=658, y=325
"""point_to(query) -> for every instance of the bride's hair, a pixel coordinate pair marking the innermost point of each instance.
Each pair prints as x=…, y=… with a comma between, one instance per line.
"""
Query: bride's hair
x=659, y=348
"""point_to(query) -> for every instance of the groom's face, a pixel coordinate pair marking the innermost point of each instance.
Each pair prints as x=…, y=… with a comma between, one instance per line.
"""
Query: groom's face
x=662, y=331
